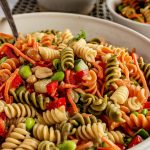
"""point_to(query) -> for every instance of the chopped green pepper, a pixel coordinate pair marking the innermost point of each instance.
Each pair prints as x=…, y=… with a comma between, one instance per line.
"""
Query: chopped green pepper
x=25, y=71
x=144, y=111
x=58, y=76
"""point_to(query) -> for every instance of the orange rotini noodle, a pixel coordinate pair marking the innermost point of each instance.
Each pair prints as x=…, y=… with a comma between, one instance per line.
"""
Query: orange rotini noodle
x=90, y=83
x=85, y=145
x=8, y=84
x=47, y=40
x=4, y=74
x=19, y=52
x=139, y=121
x=124, y=109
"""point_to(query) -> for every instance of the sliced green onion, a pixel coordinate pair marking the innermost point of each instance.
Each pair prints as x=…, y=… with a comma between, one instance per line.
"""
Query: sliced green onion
x=25, y=71
x=80, y=65
x=58, y=76
x=144, y=111
x=81, y=35
x=143, y=133
x=3, y=60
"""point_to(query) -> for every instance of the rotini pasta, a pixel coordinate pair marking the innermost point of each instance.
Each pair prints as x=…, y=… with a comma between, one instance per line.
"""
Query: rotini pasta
x=83, y=51
x=67, y=58
x=59, y=91
x=55, y=115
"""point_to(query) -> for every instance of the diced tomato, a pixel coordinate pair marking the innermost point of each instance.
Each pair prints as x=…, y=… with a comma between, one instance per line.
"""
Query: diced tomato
x=17, y=81
x=136, y=140
x=52, y=88
x=2, y=128
x=8, y=52
x=147, y=105
x=70, y=110
x=57, y=103
x=122, y=146
x=79, y=75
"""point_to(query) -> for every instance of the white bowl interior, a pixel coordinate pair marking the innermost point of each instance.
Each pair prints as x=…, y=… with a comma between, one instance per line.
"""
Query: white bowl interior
x=112, y=32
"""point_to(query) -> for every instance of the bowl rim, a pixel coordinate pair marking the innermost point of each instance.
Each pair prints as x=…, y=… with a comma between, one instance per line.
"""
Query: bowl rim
x=100, y=20
x=108, y=2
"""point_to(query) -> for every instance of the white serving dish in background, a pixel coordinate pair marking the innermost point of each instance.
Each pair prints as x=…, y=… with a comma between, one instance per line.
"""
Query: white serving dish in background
x=140, y=27
x=72, y=6
x=94, y=27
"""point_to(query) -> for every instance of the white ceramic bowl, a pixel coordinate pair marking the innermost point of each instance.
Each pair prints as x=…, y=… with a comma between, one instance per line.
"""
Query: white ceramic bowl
x=72, y=6
x=140, y=27
x=112, y=32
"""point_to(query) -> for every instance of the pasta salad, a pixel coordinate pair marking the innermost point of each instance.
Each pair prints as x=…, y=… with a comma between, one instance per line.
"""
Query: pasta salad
x=59, y=91
x=137, y=10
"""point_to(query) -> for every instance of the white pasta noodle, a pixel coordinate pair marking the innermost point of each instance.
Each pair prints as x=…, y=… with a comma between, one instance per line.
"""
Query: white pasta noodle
x=116, y=137
x=133, y=104
x=19, y=110
x=15, y=137
x=48, y=53
x=43, y=132
x=29, y=144
x=120, y=95
x=83, y=51
x=66, y=36
x=55, y=115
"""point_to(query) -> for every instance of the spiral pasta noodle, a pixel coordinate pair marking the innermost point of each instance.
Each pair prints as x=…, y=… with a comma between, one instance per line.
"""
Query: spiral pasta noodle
x=116, y=137
x=66, y=36
x=23, y=96
x=114, y=112
x=19, y=110
x=46, y=145
x=83, y=51
x=146, y=13
x=16, y=137
x=29, y=143
x=120, y=95
x=67, y=58
x=113, y=72
x=90, y=131
x=82, y=119
x=139, y=121
x=90, y=83
x=94, y=104
x=43, y=132
x=55, y=115
x=47, y=40
x=48, y=53
x=133, y=104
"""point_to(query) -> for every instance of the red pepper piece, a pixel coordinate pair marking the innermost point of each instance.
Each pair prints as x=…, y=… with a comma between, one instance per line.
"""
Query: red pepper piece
x=2, y=128
x=122, y=146
x=147, y=105
x=103, y=65
x=136, y=140
x=8, y=52
x=17, y=81
x=70, y=77
x=52, y=88
x=79, y=75
x=57, y=103
x=3, y=116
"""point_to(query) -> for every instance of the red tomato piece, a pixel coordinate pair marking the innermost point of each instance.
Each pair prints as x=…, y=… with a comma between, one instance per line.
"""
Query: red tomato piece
x=136, y=140
x=57, y=103
x=3, y=116
x=147, y=105
x=17, y=81
x=52, y=88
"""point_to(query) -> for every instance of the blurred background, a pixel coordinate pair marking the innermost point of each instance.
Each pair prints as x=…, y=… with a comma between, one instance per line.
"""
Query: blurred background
x=96, y=8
